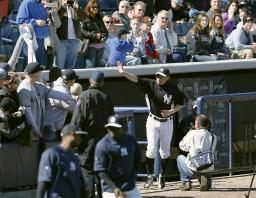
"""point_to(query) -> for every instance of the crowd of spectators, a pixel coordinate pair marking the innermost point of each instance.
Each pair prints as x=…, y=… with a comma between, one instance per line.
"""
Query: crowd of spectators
x=131, y=33
x=182, y=31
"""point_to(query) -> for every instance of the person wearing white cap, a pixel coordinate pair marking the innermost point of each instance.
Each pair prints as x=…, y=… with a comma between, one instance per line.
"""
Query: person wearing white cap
x=163, y=99
x=117, y=157
x=59, y=172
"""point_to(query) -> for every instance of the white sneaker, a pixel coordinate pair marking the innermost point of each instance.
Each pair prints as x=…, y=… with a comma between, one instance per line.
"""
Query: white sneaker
x=161, y=182
x=149, y=182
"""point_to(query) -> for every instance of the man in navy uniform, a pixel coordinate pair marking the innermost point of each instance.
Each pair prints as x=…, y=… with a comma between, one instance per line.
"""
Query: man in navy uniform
x=163, y=99
x=91, y=114
x=59, y=172
x=117, y=158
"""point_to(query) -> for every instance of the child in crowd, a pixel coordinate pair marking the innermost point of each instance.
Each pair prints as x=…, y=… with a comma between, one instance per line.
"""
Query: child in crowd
x=134, y=58
x=120, y=46
x=75, y=90
x=150, y=51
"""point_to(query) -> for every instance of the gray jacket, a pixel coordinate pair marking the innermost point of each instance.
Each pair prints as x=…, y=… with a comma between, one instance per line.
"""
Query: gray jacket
x=57, y=110
x=33, y=98
x=237, y=40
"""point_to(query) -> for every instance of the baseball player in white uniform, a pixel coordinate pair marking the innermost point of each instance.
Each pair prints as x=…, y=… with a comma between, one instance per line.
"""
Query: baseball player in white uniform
x=163, y=99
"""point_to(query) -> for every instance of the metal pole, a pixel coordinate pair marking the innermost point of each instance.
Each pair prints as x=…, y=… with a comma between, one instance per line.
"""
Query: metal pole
x=230, y=138
x=200, y=105
x=130, y=126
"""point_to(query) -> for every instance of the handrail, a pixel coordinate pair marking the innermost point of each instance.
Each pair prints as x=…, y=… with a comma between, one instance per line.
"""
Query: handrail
x=133, y=109
x=129, y=113
x=226, y=98
x=175, y=68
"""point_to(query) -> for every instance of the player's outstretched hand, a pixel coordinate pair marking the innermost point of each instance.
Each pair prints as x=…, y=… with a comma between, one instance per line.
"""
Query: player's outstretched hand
x=120, y=67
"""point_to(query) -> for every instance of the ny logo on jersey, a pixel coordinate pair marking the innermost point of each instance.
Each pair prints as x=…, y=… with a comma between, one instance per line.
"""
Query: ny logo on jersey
x=124, y=151
x=72, y=166
x=167, y=99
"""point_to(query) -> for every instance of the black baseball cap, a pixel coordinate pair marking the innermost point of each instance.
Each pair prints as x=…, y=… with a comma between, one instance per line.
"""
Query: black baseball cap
x=194, y=104
x=7, y=104
x=113, y=121
x=163, y=72
x=70, y=74
x=4, y=75
x=97, y=76
x=247, y=19
x=32, y=68
x=72, y=128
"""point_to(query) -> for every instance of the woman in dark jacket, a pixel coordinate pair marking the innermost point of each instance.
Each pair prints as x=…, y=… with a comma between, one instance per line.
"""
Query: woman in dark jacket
x=217, y=36
x=200, y=41
x=93, y=28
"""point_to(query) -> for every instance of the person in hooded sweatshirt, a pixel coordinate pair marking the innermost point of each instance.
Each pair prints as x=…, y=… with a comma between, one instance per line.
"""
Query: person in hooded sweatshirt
x=120, y=46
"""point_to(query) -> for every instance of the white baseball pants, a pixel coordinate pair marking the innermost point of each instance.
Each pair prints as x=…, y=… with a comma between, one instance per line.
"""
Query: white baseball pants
x=161, y=131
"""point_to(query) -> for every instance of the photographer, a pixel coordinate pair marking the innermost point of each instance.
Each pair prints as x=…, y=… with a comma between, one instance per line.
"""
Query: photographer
x=93, y=28
x=52, y=41
x=198, y=140
x=69, y=34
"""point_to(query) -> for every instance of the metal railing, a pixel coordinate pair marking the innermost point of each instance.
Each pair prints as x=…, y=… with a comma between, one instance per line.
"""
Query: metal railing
x=129, y=112
x=226, y=98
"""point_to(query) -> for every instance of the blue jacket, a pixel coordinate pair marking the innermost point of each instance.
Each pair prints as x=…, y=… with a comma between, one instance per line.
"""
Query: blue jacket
x=30, y=11
x=118, y=50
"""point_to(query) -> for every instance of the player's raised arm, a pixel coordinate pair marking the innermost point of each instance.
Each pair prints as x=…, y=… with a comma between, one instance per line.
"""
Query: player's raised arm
x=129, y=76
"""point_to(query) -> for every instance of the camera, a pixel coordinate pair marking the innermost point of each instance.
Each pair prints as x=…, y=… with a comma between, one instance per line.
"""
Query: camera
x=103, y=38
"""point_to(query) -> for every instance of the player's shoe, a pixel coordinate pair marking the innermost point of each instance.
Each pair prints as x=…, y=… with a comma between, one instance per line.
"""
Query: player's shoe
x=149, y=181
x=161, y=182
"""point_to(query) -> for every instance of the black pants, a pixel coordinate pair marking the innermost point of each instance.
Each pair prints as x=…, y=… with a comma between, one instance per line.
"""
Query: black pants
x=86, y=156
x=92, y=184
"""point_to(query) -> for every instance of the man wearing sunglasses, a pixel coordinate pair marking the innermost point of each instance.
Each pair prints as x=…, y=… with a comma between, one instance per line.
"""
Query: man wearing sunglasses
x=163, y=100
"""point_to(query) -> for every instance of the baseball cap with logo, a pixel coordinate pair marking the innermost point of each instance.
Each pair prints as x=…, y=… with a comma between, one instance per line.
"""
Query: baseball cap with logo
x=72, y=128
x=32, y=68
x=194, y=104
x=4, y=75
x=113, y=121
x=70, y=74
x=97, y=76
x=163, y=72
